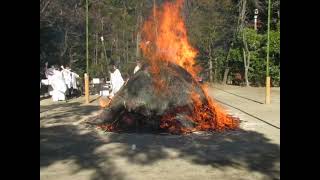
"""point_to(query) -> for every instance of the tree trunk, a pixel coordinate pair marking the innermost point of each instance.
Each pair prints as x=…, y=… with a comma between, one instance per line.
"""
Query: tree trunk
x=246, y=66
x=70, y=57
x=225, y=76
x=246, y=76
x=123, y=46
x=138, y=38
x=65, y=46
x=96, y=50
x=131, y=42
x=210, y=70
x=215, y=79
x=210, y=63
x=227, y=69
x=117, y=48
x=102, y=56
x=242, y=14
x=246, y=58
x=117, y=40
x=127, y=51
x=111, y=49
x=103, y=48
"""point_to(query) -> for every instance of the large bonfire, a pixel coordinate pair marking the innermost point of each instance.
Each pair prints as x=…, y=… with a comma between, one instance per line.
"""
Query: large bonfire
x=164, y=93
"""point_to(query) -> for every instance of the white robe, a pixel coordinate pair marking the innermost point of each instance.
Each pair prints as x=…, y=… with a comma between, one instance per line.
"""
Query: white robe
x=74, y=77
x=137, y=68
x=59, y=86
x=49, y=74
x=67, y=77
x=116, y=81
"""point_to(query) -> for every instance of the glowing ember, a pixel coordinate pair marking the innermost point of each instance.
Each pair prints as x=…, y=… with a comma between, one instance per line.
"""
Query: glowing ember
x=165, y=39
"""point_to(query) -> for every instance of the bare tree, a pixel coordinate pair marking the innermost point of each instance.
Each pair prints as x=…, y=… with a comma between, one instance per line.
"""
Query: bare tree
x=246, y=52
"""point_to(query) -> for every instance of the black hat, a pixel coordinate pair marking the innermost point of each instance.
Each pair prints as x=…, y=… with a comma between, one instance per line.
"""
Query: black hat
x=112, y=63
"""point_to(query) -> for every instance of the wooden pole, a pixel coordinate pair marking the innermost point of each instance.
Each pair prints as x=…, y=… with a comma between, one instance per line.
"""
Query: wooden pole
x=87, y=36
x=86, y=90
x=267, y=66
x=86, y=75
x=268, y=90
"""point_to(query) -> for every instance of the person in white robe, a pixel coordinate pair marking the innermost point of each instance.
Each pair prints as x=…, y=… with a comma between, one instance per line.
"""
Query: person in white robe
x=74, y=83
x=66, y=73
x=74, y=77
x=138, y=67
x=59, y=86
x=116, y=80
x=49, y=75
x=67, y=76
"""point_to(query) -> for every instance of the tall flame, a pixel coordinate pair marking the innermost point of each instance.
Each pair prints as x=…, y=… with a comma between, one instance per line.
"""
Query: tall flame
x=164, y=38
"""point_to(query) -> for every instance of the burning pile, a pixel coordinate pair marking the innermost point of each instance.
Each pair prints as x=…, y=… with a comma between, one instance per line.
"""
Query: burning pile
x=164, y=93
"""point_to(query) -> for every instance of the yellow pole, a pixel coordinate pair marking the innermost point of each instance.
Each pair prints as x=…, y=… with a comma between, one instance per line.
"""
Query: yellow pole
x=268, y=90
x=86, y=85
x=267, y=71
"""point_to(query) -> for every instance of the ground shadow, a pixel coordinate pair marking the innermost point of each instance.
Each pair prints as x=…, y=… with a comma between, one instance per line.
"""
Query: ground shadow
x=65, y=143
x=66, y=112
x=247, y=149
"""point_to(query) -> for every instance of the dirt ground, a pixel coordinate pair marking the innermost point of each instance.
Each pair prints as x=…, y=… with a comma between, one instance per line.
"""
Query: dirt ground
x=70, y=150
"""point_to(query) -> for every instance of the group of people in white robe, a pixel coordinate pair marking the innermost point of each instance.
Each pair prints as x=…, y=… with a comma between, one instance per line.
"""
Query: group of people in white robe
x=61, y=82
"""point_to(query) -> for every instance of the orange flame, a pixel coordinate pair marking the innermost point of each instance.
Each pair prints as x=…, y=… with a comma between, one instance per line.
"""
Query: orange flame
x=104, y=102
x=164, y=36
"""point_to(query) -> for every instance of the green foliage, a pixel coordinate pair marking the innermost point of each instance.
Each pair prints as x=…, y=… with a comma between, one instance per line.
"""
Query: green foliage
x=275, y=75
x=257, y=45
x=253, y=38
x=257, y=71
x=235, y=54
x=274, y=48
x=210, y=26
